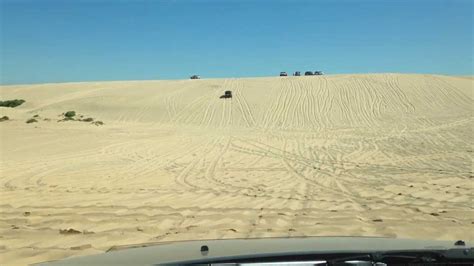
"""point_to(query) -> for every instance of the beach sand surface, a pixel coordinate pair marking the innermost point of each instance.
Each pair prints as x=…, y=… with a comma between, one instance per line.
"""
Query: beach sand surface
x=335, y=155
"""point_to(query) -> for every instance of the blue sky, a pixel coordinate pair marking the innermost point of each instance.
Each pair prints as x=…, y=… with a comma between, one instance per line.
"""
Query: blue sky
x=62, y=41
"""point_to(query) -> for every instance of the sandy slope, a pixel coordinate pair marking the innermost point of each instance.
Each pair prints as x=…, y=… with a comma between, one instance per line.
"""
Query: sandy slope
x=374, y=155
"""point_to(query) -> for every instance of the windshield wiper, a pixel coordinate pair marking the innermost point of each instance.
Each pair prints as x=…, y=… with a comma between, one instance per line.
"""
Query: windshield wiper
x=457, y=255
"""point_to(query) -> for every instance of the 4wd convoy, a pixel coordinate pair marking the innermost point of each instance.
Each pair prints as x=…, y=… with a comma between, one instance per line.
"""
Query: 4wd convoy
x=282, y=74
x=228, y=94
x=298, y=73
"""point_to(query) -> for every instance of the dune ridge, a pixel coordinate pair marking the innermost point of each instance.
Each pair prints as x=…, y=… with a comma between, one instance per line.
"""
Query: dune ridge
x=353, y=155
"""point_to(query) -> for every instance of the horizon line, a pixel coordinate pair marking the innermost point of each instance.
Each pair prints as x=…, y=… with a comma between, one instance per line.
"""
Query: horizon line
x=237, y=77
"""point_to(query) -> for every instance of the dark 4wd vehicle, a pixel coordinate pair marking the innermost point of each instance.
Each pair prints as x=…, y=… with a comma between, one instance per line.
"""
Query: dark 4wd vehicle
x=227, y=94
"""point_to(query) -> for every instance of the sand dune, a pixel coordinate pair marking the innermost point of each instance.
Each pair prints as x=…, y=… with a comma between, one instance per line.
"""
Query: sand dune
x=373, y=155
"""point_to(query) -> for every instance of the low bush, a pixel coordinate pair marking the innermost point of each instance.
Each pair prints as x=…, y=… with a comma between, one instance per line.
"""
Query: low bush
x=31, y=120
x=90, y=119
x=11, y=103
x=70, y=114
x=98, y=123
x=4, y=118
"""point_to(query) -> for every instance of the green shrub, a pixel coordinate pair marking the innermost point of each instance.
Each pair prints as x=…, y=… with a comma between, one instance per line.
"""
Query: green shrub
x=36, y=116
x=11, y=103
x=70, y=114
x=90, y=119
x=31, y=120
x=4, y=118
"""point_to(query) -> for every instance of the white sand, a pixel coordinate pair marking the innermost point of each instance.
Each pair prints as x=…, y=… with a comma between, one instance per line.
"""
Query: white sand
x=295, y=156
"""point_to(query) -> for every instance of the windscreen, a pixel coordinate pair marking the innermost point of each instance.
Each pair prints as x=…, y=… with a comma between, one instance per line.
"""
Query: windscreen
x=127, y=122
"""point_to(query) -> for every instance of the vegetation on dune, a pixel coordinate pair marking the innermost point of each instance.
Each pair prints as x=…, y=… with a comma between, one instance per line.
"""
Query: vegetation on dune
x=67, y=116
x=69, y=231
x=70, y=114
x=11, y=103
